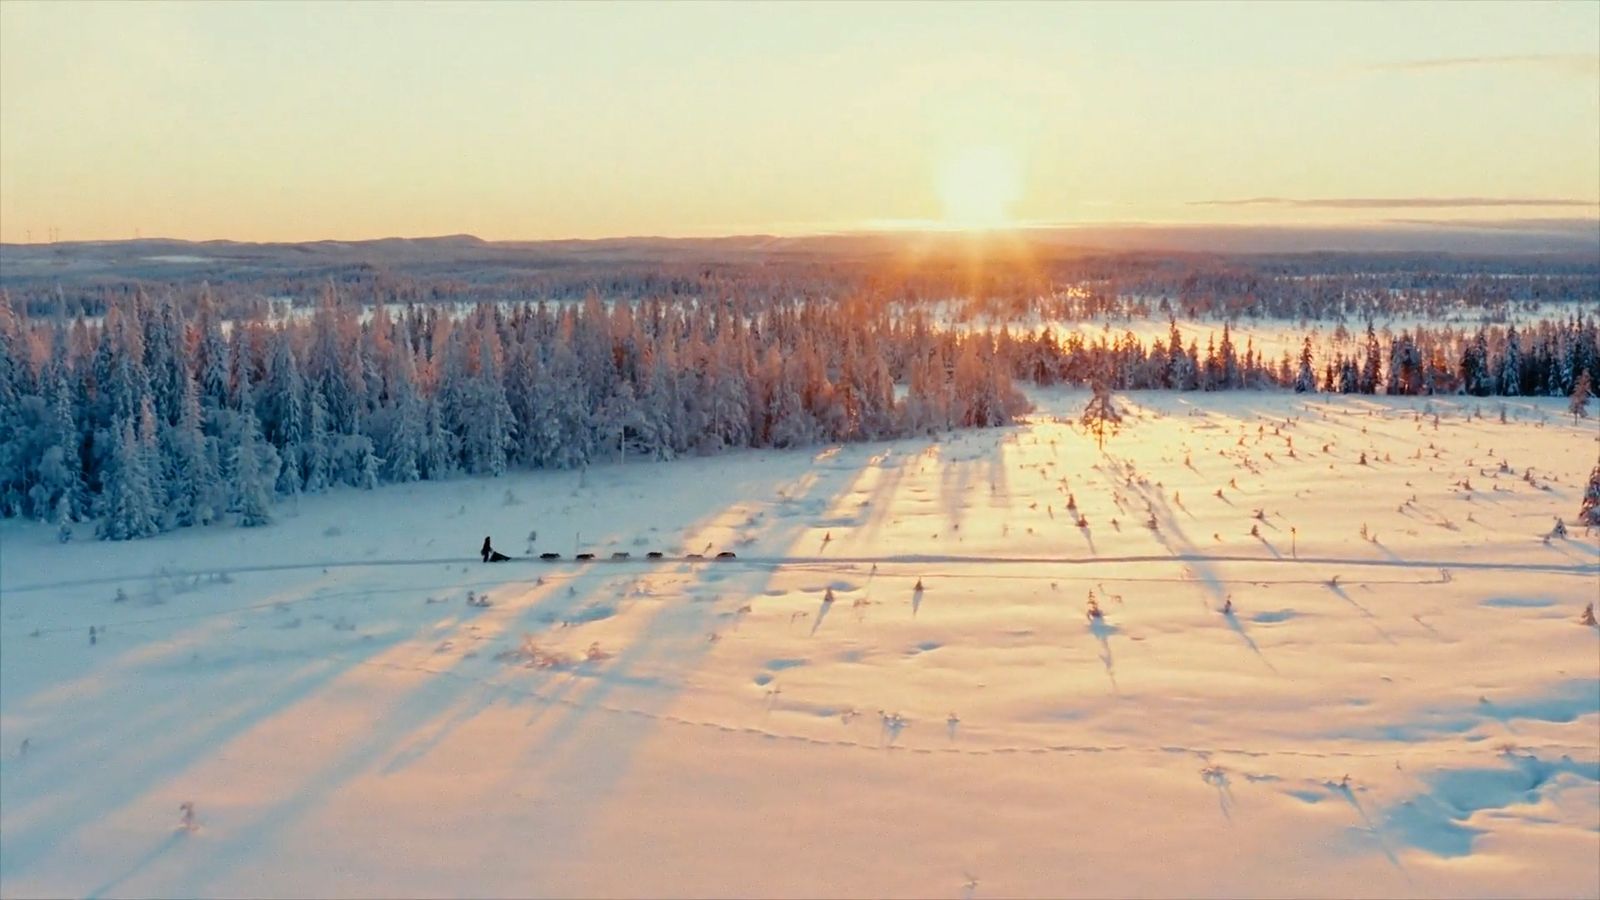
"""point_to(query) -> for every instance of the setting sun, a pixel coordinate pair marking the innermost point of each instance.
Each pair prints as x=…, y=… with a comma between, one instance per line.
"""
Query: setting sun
x=979, y=186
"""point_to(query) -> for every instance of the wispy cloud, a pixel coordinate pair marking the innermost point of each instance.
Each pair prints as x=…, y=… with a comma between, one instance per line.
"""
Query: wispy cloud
x=1398, y=202
x=1586, y=64
x=1581, y=227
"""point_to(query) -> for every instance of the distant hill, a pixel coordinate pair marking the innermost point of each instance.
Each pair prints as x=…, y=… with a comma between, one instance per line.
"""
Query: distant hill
x=86, y=264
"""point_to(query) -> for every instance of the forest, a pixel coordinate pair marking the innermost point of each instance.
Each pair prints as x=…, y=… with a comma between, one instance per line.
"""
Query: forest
x=152, y=418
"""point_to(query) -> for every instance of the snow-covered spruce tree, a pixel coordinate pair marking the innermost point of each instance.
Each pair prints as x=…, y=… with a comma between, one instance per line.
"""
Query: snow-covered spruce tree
x=283, y=411
x=64, y=521
x=318, y=448
x=1371, y=368
x=61, y=468
x=926, y=408
x=727, y=395
x=404, y=450
x=1510, y=381
x=255, y=469
x=1589, y=512
x=438, y=458
x=1405, y=366
x=194, y=488
x=128, y=507
x=333, y=364
x=1306, y=381
x=622, y=420
x=522, y=388
x=166, y=357
x=149, y=436
x=370, y=466
x=13, y=482
x=212, y=356
x=662, y=407
x=473, y=390
x=1474, y=366
x=1349, y=377
x=1229, y=357
x=569, y=436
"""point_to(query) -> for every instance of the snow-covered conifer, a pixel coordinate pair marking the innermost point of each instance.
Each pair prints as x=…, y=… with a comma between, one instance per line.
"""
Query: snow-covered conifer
x=254, y=471
x=128, y=506
x=1589, y=511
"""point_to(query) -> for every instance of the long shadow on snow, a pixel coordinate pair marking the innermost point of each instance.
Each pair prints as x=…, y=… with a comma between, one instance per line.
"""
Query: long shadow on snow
x=440, y=689
x=563, y=603
x=675, y=633
x=667, y=648
x=106, y=775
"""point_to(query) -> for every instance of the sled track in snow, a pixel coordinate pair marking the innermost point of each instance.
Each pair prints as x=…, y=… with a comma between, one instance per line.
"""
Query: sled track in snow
x=816, y=562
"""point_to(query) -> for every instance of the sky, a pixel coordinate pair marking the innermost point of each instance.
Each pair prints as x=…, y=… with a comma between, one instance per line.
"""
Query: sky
x=290, y=121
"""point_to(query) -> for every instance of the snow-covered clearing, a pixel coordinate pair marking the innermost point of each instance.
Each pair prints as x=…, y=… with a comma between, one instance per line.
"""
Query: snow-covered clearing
x=1413, y=712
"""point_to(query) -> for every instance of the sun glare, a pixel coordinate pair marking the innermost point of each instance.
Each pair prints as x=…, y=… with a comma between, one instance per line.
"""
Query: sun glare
x=978, y=187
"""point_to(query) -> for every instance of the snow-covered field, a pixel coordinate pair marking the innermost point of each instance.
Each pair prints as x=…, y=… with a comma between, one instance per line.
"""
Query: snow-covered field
x=1415, y=711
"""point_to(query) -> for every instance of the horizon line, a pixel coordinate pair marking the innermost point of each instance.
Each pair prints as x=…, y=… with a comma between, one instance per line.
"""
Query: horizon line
x=888, y=227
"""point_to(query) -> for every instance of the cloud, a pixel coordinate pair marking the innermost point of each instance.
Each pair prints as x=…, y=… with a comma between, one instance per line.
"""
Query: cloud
x=1581, y=227
x=1584, y=64
x=1398, y=202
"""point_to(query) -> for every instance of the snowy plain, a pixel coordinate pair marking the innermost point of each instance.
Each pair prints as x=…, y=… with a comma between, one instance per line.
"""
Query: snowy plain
x=895, y=690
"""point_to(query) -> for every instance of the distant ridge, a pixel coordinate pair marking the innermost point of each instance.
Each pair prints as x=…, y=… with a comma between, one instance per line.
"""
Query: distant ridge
x=169, y=260
x=1540, y=235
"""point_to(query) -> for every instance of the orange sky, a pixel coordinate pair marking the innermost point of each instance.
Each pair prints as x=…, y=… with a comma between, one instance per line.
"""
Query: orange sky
x=298, y=121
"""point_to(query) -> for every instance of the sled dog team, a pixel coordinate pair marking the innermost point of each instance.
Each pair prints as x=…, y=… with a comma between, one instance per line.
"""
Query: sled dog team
x=490, y=554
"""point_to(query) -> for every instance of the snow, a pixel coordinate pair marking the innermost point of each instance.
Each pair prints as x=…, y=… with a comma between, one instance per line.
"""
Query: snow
x=1416, y=712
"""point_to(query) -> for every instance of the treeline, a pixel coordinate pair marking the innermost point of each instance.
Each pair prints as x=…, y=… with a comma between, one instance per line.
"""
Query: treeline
x=1545, y=359
x=151, y=418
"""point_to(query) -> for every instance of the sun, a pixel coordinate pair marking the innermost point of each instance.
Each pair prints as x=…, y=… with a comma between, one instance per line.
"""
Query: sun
x=978, y=186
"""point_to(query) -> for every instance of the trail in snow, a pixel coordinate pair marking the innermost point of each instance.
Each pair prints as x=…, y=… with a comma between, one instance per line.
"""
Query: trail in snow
x=784, y=562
